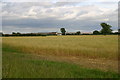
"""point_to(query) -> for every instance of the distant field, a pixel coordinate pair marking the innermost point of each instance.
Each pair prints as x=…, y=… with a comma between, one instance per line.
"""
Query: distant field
x=60, y=56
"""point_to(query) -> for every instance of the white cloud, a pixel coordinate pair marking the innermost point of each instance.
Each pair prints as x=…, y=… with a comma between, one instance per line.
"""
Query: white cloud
x=36, y=10
x=60, y=0
x=63, y=14
x=106, y=0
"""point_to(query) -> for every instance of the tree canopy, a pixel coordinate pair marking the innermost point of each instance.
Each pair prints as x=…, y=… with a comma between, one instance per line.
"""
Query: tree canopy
x=96, y=32
x=106, y=28
x=63, y=31
x=78, y=32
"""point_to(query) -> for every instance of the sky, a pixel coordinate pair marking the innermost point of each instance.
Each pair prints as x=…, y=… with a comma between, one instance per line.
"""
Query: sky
x=49, y=16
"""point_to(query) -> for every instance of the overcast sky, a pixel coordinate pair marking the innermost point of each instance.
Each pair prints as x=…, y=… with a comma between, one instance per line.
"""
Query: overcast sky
x=82, y=15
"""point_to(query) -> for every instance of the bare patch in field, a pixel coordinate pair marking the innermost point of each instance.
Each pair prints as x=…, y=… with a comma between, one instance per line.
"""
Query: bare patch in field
x=101, y=63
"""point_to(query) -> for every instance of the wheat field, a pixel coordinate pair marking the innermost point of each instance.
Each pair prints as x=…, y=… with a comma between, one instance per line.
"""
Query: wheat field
x=93, y=52
x=80, y=46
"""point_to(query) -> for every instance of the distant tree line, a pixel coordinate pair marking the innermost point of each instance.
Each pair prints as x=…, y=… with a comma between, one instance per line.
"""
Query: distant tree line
x=29, y=34
x=106, y=30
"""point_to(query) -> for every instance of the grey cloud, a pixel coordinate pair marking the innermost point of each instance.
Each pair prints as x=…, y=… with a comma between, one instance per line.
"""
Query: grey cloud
x=14, y=21
x=52, y=23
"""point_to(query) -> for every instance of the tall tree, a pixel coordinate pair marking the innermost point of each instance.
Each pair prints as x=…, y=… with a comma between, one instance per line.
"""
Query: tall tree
x=63, y=31
x=106, y=28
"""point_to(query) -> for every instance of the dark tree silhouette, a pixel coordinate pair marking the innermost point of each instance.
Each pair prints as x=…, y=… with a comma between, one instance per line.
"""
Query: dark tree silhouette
x=106, y=28
x=118, y=30
x=78, y=33
x=63, y=31
x=13, y=33
x=96, y=32
x=18, y=33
